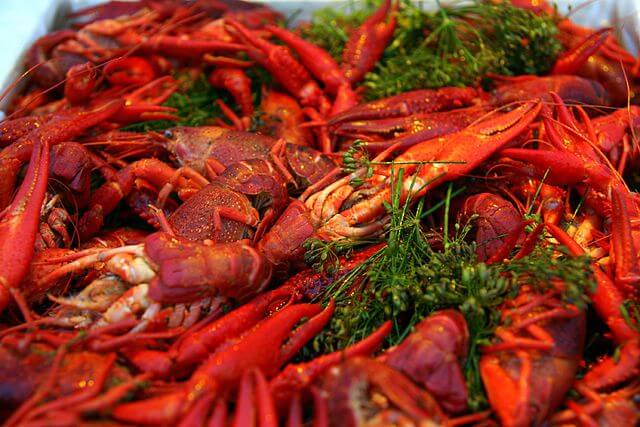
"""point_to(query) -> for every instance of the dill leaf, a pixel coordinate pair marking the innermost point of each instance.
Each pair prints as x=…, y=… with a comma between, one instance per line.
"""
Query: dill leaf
x=410, y=278
x=456, y=45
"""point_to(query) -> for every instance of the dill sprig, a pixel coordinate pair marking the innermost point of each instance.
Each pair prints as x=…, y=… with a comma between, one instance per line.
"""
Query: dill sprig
x=464, y=44
x=195, y=101
x=453, y=46
x=330, y=27
x=410, y=278
x=324, y=257
x=525, y=43
x=548, y=264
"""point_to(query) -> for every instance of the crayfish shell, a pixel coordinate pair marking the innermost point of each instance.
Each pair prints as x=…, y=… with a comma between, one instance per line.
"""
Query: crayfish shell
x=366, y=392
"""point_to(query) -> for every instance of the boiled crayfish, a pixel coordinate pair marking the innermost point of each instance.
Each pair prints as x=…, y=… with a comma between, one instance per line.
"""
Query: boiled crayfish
x=173, y=167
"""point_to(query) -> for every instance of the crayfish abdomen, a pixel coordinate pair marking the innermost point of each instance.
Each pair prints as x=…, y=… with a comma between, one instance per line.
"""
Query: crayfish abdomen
x=189, y=270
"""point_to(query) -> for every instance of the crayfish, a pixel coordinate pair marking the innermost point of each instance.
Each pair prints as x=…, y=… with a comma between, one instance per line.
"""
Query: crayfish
x=208, y=217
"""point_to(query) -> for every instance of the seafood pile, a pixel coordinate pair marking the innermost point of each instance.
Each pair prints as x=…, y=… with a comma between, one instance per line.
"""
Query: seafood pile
x=207, y=218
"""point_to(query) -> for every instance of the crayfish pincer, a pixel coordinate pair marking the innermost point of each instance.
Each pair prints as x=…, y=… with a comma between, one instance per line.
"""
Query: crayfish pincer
x=266, y=347
x=179, y=270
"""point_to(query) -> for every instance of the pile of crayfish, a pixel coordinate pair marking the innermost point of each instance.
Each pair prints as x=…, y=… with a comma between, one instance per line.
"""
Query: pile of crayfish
x=156, y=275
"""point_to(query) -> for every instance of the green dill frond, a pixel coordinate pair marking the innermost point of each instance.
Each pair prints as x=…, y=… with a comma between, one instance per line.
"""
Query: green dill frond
x=325, y=256
x=330, y=27
x=457, y=45
x=463, y=44
x=630, y=312
x=526, y=43
x=418, y=69
x=410, y=278
x=549, y=264
x=195, y=101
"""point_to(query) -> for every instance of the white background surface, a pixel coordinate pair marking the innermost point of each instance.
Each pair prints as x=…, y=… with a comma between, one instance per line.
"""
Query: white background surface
x=22, y=21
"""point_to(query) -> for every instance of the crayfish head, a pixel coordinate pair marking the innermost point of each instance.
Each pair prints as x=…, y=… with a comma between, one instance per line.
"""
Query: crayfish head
x=191, y=145
x=493, y=219
x=526, y=382
x=364, y=391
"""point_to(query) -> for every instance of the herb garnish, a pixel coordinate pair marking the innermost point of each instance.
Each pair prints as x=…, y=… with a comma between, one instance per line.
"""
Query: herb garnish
x=410, y=278
x=324, y=257
x=453, y=46
x=196, y=99
x=330, y=28
x=195, y=102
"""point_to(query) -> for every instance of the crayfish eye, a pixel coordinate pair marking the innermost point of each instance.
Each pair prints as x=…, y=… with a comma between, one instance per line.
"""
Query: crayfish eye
x=168, y=133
